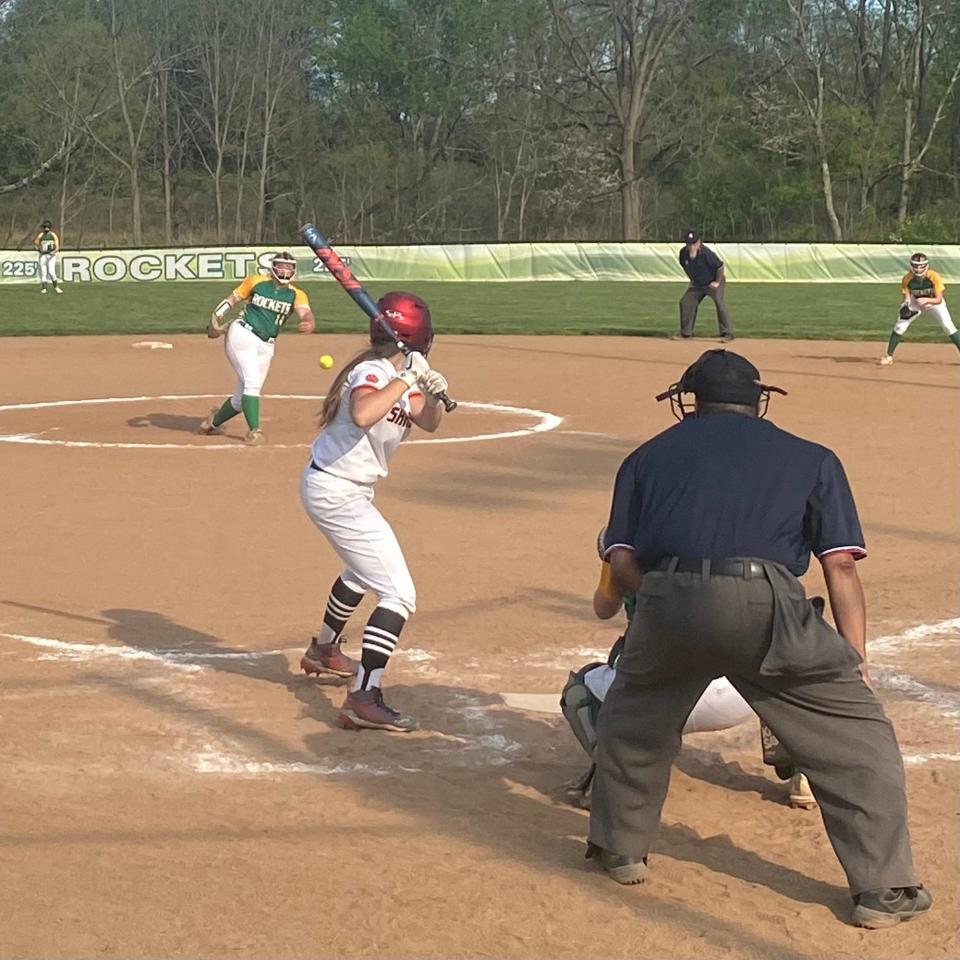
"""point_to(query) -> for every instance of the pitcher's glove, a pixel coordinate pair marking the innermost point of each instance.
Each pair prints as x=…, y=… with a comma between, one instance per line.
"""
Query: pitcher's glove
x=214, y=329
x=907, y=312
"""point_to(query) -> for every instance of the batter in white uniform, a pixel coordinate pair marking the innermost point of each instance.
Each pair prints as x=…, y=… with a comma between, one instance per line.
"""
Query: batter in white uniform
x=367, y=414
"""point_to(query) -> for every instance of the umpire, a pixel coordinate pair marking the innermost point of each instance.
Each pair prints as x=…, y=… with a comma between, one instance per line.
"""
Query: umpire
x=705, y=271
x=712, y=522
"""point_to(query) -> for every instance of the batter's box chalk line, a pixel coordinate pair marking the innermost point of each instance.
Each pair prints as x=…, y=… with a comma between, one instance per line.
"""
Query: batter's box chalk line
x=485, y=744
x=543, y=422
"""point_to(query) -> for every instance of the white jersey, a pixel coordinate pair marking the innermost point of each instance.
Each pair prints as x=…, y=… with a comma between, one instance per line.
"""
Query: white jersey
x=345, y=450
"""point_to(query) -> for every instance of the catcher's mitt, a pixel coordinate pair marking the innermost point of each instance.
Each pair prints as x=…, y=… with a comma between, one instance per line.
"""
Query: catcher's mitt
x=907, y=312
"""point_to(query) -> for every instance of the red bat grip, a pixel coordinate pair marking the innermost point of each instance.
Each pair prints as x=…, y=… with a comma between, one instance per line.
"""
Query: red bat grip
x=319, y=244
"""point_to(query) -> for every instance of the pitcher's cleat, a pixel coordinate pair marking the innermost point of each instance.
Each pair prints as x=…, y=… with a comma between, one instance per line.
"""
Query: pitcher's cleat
x=206, y=428
x=327, y=659
x=365, y=710
x=886, y=360
x=254, y=438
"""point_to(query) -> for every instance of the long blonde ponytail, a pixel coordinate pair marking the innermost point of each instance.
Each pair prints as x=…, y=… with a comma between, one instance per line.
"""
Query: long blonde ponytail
x=331, y=402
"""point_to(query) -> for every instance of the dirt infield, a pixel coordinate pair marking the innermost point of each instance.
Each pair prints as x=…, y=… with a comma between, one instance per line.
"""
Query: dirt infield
x=172, y=786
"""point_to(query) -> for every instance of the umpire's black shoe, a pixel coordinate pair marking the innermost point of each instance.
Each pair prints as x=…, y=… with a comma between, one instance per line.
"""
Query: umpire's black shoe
x=622, y=869
x=886, y=908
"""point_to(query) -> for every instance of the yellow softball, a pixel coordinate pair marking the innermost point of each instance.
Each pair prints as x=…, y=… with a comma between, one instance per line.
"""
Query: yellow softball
x=326, y=361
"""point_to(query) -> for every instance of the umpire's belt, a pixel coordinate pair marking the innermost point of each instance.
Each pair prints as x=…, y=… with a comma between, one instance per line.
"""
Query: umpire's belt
x=243, y=323
x=747, y=569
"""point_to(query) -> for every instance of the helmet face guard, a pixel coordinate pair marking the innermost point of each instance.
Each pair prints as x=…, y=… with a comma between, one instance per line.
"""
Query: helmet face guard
x=283, y=266
x=919, y=264
x=681, y=409
x=719, y=377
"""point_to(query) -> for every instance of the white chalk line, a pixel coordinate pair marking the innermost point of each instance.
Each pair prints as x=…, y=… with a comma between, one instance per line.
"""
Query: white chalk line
x=545, y=422
x=175, y=658
x=495, y=748
x=943, y=630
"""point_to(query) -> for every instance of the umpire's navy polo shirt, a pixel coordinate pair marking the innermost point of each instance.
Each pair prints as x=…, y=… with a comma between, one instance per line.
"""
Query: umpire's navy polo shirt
x=701, y=269
x=731, y=485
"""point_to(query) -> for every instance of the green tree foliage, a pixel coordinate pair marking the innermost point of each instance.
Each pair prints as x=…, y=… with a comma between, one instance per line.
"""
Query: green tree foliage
x=188, y=121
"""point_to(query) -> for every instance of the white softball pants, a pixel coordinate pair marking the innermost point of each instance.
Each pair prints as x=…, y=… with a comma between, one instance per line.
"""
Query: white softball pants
x=939, y=310
x=250, y=358
x=344, y=513
x=48, y=268
x=719, y=708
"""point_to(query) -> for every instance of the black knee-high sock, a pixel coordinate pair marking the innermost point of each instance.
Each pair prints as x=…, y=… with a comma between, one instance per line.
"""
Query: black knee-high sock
x=380, y=637
x=341, y=604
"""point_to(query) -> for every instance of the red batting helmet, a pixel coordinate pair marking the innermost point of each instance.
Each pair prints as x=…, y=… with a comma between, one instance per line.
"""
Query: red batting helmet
x=410, y=318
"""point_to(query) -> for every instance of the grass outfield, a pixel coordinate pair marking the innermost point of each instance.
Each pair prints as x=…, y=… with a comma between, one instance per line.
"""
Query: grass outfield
x=843, y=311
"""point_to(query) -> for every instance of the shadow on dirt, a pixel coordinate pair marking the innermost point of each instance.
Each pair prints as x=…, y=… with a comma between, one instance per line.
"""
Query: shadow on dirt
x=167, y=421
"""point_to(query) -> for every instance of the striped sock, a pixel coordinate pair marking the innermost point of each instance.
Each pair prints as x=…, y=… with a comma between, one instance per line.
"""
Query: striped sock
x=380, y=637
x=341, y=604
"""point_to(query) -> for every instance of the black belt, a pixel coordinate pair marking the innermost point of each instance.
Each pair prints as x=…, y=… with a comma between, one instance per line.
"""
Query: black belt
x=256, y=333
x=747, y=569
x=313, y=466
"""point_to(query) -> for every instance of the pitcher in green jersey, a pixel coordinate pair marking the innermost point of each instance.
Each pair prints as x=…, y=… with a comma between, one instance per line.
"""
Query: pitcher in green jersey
x=250, y=339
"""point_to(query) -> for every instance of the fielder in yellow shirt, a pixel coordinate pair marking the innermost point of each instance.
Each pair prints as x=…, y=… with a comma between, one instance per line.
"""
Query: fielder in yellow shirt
x=48, y=244
x=922, y=291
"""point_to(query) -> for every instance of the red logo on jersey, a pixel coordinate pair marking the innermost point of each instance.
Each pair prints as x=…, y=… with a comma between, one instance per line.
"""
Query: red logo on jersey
x=372, y=378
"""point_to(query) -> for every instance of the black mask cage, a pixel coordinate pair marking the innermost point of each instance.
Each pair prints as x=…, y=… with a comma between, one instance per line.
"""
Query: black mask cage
x=681, y=409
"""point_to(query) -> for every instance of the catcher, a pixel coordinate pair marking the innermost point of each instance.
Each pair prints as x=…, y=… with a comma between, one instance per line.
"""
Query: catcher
x=922, y=290
x=251, y=337
x=719, y=708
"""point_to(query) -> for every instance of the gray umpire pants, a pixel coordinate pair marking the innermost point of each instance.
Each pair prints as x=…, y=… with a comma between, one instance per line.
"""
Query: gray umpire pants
x=689, y=629
x=690, y=301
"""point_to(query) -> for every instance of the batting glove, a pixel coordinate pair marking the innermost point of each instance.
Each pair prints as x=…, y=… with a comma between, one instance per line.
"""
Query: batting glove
x=433, y=383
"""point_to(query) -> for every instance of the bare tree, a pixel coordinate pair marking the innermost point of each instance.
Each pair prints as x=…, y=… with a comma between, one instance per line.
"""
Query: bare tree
x=617, y=47
x=917, y=52
x=806, y=63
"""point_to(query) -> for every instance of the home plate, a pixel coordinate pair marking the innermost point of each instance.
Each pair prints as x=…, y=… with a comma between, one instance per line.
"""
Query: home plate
x=152, y=345
x=534, y=702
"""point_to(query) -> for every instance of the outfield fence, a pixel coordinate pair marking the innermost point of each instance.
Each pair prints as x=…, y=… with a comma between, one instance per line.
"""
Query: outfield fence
x=493, y=262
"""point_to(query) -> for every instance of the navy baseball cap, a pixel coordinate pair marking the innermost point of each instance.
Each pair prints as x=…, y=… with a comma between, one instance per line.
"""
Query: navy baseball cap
x=721, y=376
x=690, y=236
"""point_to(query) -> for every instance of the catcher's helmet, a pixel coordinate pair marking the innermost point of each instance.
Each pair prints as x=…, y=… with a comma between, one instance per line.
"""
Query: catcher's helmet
x=919, y=264
x=46, y=224
x=283, y=266
x=410, y=318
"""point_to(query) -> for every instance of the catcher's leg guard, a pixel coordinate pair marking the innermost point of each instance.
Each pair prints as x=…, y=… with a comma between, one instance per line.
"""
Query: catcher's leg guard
x=581, y=708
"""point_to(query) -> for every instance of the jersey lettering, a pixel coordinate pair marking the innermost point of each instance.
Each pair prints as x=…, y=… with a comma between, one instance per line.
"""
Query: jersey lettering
x=399, y=416
x=277, y=306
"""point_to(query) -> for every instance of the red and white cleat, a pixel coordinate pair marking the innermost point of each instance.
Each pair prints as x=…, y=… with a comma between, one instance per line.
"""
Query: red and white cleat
x=327, y=659
x=365, y=710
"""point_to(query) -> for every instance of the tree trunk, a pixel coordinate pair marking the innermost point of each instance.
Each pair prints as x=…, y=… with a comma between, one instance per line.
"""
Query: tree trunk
x=828, y=200
x=629, y=189
x=911, y=93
